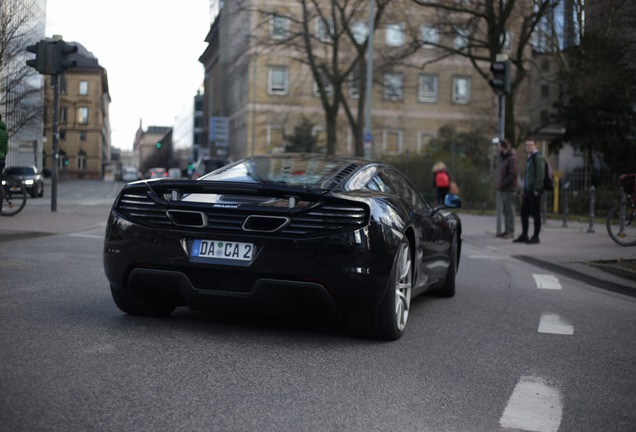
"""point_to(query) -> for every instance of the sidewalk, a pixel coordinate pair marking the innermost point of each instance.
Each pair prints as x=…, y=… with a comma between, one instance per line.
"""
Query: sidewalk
x=569, y=251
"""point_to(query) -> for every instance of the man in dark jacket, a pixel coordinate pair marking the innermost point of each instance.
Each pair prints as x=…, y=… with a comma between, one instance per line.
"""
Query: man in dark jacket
x=532, y=190
x=4, y=143
x=507, y=185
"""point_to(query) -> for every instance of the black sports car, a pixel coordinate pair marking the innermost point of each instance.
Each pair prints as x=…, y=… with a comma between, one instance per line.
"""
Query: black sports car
x=350, y=235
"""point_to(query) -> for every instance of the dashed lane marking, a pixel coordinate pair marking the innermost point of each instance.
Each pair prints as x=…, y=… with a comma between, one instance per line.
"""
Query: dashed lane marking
x=554, y=324
x=533, y=406
x=547, y=281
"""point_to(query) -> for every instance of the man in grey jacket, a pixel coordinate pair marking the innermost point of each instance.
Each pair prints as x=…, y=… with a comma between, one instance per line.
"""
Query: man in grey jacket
x=507, y=185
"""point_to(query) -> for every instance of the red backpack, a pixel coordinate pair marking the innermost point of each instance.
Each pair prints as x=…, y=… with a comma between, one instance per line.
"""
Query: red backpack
x=442, y=180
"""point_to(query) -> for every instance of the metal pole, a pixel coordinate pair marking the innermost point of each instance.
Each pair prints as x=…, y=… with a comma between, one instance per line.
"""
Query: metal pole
x=502, y=135
x=368, y=91
x=590, y=229
x=254, y=60
x=55, y=81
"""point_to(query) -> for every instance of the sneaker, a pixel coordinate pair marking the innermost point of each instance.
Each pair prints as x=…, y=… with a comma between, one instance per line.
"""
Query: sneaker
x=521, y=239
x=507, y=236
x=533, y=240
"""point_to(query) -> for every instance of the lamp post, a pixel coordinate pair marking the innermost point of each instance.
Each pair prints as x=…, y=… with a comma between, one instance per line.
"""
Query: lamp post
x=368, y=139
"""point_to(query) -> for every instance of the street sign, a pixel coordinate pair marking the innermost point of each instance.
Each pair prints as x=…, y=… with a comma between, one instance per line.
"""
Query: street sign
x=219, y=130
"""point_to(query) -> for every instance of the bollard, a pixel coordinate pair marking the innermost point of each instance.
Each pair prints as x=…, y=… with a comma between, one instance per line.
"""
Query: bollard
x=566, y=188
x=590, y=229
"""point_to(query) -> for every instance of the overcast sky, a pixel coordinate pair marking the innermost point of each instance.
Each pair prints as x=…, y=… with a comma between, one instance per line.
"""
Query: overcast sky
x=150, y=50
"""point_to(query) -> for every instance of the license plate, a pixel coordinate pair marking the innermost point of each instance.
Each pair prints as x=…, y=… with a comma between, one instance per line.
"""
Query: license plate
x=224, y=250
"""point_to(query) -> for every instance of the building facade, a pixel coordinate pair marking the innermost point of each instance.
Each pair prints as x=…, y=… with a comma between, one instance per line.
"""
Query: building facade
x=258, y=84
x=84, y=145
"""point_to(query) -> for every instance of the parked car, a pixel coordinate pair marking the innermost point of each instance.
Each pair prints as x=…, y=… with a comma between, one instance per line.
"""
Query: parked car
x=206, y=165
x=31, y=177
x=174, y=173
x=345, y=235
x=130, y=174
x=154, y=173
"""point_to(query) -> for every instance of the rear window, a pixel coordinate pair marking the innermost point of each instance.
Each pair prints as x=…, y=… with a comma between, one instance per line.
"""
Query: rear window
x=20, y=170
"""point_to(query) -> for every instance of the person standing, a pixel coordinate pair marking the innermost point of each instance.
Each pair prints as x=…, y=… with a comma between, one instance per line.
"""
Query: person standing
x=441, y=180
x=531, y=195
x=4, y=143
x=507, y=185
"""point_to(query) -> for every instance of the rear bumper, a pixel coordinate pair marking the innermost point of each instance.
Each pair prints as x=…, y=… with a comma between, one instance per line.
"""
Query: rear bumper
x=340, y=271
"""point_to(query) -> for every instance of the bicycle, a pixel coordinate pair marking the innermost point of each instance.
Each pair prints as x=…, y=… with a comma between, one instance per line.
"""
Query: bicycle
x=13, y=195
x=621, y=219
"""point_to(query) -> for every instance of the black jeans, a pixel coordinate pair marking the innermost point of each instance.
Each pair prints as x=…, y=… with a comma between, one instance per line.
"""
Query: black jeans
x=530, y=206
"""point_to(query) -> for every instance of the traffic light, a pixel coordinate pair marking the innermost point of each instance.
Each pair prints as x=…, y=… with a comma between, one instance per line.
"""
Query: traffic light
x=158, y=145
x=40, y=51
x=500, y=80
x=63, y=51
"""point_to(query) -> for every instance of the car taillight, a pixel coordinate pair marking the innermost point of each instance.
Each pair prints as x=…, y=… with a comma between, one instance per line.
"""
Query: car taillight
x=165, y=174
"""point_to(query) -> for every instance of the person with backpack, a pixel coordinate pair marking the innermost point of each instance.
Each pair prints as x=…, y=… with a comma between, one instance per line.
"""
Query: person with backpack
x=441, y=181
x=507, y=185
x=531, y=194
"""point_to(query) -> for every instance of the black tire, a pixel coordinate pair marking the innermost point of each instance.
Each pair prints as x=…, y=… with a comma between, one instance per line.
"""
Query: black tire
x=41, y=192
x=388, y=320
x=12, y=201
x=135, y=303
x=623, y=232
x=448, y=289
x=34, y=191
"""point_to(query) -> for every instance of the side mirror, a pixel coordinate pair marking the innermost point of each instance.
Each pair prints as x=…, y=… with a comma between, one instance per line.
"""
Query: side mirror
x=452, y=201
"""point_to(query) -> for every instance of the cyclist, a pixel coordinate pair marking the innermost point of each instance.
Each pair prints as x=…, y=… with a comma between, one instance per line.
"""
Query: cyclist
x=4, y=142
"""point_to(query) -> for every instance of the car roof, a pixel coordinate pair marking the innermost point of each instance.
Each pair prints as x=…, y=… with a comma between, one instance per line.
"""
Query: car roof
x=294, y=169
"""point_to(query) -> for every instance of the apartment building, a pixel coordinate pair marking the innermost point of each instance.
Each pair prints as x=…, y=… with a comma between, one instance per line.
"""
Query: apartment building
x=264, y=89
x=84, y=145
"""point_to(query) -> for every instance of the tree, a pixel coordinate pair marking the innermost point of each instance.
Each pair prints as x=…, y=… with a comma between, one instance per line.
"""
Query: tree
x=20, y=85
x=597, y=106
x=303, y=139
x=479, y=30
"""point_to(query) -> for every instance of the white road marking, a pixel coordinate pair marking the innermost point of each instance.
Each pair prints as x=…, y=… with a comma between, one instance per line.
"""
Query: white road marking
x=85, y=235
x=554, y=324
x=547, y=281
x=493, y=257
x=534, y=406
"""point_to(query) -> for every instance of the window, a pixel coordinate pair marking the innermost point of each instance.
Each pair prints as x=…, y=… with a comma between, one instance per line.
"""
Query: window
x=545, y=91
x=81, y=161
x=545, y=116
x=354, y=84
x=83, y=88
x=82, y=115
x=321, y=139
x=62, y=135
x=82, y=136
x=427, y=88
x=429, y=36
x=324, y=29
x=424, y=140
x=461, y=90
x=62, y=159
x=277, y=83
x=395, y=34
x=360, y=31
x=63, y=115
x=326, y=84
x=505, y=39
x=393, y=86
x=392, y=142
x=462, y=39
x=279, y=27
x=275, y=139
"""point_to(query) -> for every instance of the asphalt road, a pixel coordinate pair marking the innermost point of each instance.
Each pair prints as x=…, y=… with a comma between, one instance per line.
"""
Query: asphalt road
x=518, y=348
